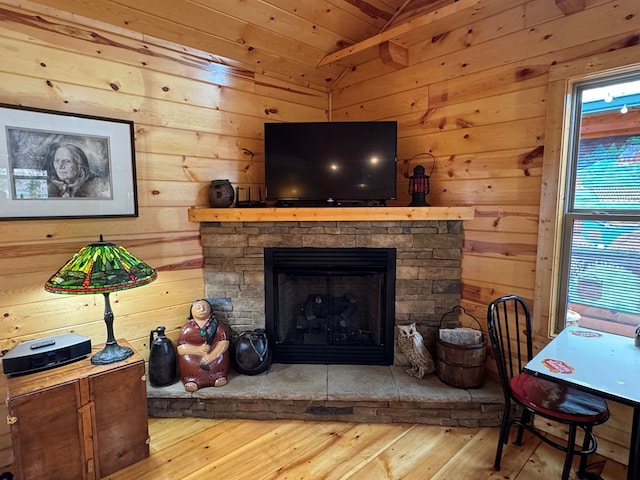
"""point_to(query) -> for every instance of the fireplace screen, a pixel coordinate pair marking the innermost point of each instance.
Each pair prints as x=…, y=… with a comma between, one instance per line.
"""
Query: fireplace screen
x=325, y=310
x=330, y=305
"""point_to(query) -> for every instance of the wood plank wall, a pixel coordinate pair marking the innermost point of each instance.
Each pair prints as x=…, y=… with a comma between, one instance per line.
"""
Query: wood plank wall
x=475, y=97
x=195, y=121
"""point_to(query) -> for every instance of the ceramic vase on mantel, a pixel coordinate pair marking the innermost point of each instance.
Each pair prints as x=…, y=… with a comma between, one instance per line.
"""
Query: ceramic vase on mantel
x=221, y=194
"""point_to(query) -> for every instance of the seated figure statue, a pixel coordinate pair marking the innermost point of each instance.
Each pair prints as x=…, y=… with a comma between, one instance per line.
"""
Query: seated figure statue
x=203, y=349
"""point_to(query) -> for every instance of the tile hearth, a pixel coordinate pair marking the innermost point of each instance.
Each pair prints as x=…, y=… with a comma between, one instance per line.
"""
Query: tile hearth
x=357, y=393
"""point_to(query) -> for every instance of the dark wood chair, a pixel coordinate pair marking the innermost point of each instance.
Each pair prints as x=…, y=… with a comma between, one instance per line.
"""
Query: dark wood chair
x=509, y=325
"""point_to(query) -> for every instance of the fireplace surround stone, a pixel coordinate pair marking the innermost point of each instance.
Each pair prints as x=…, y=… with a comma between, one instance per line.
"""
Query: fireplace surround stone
x=428, y=255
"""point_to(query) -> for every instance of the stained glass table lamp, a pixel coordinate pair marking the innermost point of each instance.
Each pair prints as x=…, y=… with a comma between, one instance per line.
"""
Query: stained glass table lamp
x=102, y=267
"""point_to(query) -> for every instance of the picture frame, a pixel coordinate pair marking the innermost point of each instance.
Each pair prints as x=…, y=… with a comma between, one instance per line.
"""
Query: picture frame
x=57, y=165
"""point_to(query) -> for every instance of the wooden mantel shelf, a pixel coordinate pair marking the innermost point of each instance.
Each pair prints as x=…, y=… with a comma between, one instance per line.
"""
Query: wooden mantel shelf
x=326, y=214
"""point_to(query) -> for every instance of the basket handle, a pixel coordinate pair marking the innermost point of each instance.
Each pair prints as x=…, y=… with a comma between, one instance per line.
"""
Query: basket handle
x=453, y=310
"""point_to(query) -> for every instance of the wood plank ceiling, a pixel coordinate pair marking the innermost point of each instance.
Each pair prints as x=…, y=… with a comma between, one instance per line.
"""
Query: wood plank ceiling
x=310, y=42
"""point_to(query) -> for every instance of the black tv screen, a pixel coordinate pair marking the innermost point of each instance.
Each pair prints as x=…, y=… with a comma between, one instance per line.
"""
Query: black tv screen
x=330, y=162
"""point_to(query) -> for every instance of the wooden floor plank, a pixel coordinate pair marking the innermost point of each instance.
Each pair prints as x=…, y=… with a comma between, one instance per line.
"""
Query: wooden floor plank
x=239, y=449
x=614, y=470
x=361, y=446
x=546, y=462
x=163, y=434
x=290, y=443
x=415, y=456
x=304, y=450
x=357, y=450
x=181, y=459
x=475, y=459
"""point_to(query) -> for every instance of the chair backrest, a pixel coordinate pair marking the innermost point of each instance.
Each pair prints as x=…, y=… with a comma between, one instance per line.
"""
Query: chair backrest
x=509, y=325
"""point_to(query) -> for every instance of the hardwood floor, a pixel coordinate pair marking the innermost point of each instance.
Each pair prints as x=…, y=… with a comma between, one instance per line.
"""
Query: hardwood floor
x=234, y=449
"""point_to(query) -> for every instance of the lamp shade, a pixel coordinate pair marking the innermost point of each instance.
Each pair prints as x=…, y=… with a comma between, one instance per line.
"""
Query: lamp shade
x=98, y=268
x=102, y=267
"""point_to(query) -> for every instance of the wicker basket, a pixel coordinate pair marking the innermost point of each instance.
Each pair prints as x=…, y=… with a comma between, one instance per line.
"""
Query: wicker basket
x=461, y=366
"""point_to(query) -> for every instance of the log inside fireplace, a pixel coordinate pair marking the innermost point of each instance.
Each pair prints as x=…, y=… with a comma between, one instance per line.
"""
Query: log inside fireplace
x=330, y=305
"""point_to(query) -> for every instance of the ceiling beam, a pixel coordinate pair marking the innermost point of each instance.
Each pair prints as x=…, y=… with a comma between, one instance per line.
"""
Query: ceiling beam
x=397, y=32
x=570, y=6
x=394, y=54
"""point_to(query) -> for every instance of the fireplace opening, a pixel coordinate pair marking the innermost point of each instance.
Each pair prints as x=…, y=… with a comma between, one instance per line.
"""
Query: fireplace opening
x=330, y=305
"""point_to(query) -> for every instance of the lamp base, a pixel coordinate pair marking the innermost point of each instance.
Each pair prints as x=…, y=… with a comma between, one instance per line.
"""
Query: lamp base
x=111, y=353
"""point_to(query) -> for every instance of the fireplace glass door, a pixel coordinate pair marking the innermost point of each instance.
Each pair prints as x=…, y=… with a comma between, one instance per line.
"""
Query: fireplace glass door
x=330, y=305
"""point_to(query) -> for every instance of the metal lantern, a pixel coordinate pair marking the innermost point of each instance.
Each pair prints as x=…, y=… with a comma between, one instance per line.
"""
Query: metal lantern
x=419, y=182
x=418, y=187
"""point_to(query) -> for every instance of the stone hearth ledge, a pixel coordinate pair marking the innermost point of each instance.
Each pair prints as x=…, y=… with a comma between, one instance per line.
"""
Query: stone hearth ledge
x=357, y=393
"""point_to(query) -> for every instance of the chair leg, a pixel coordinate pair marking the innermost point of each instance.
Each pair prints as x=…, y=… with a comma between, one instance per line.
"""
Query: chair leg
x=568, y=461
x=504, y=435
x=586, y=444
x=526, y=418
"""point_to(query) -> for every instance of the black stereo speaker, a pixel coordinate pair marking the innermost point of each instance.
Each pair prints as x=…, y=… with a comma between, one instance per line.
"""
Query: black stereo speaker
x=45, y=353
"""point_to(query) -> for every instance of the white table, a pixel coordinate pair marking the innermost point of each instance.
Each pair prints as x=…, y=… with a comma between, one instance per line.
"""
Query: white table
x=600, y=363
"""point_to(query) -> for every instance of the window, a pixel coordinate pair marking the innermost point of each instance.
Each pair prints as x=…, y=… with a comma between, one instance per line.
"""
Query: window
x=600, y=279
x=589, y=236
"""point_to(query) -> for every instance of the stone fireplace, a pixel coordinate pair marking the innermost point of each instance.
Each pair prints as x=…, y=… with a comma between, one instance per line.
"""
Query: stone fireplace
x=427, y=266
x=427, y=242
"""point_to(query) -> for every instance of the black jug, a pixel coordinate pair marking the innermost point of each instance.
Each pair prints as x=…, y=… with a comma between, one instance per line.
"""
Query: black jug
x=252, y=352
x=162, y=359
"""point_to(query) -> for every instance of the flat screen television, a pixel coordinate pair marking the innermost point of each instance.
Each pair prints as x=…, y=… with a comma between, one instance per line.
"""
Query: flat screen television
x=330, y=163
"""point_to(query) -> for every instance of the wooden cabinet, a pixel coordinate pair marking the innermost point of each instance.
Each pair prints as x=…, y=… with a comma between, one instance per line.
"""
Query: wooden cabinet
x=79, y=421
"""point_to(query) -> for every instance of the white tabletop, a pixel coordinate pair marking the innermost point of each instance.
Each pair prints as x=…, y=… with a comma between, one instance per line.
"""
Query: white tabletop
x=603, y=363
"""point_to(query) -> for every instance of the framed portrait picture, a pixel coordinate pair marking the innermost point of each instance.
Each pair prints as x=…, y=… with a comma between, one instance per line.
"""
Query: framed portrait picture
x=62, y=165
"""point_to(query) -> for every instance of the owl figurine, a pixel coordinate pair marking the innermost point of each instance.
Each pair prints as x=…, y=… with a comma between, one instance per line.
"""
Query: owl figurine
x=412, y=345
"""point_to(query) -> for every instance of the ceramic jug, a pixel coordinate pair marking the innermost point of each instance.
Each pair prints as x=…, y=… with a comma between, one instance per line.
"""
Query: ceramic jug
x=252, y=352
x=162, y=359
x=221, y=193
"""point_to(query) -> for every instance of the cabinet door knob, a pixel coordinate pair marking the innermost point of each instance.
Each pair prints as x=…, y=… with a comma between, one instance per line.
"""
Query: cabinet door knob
x=11, y=420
